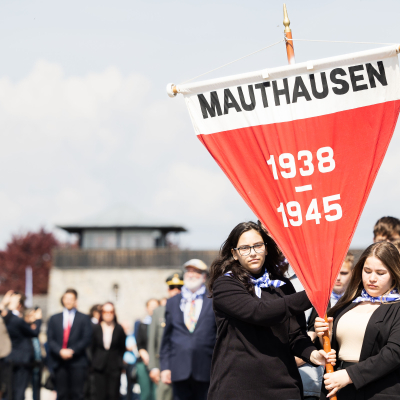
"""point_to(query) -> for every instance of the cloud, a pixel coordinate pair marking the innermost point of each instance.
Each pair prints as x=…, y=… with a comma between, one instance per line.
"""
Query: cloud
x=71, y=146
x=189, y=192
x=57, y=135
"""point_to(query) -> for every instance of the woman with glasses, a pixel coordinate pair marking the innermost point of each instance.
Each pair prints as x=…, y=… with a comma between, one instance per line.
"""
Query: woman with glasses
x=260, y=320
x=108, y=348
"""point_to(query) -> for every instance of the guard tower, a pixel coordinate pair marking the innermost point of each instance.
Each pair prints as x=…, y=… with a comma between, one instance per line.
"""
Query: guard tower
x=122, y=227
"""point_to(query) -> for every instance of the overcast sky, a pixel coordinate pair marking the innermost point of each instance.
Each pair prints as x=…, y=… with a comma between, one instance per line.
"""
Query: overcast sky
x=86, y=123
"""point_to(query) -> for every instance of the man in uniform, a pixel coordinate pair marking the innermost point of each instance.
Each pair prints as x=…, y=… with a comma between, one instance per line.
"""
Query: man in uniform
x=164, y=391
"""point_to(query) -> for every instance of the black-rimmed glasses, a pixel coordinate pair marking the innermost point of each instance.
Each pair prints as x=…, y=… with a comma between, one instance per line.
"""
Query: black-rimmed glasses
x=246, y=250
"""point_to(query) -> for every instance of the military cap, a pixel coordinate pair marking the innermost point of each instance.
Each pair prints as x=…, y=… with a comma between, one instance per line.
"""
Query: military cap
x=175, y=279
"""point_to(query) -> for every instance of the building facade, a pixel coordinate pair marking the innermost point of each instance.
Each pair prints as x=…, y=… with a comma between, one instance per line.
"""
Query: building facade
x=123, y=257
x=126, y=277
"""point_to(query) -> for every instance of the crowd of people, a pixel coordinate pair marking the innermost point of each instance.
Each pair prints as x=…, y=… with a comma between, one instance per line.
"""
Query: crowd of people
x=242, y=329
x=94, y=357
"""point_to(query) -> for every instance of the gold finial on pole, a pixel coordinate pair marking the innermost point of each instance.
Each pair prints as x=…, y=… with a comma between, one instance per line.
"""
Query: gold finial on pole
x=286, y=20
x=288, y=36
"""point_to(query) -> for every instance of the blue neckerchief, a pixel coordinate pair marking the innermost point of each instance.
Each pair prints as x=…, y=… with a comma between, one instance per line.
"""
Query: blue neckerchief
x=188, y=296
x=392, y=296
x=336, y=296
x=262, y=282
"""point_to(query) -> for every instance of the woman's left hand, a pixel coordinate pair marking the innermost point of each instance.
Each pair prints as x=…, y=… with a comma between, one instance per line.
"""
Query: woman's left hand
x=336, y=381
x=320, y=357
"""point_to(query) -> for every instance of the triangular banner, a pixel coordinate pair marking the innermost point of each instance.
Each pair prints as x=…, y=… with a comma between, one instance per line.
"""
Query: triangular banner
x=302, y=144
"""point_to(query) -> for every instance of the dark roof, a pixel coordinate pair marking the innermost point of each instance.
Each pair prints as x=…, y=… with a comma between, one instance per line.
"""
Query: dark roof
x=122, y=217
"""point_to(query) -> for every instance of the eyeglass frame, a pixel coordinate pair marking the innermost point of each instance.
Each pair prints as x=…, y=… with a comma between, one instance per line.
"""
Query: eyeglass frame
x=251, y=247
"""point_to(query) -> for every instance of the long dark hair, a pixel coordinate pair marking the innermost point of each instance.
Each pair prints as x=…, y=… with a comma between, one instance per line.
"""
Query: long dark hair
x=388, y=254
x=225, y=262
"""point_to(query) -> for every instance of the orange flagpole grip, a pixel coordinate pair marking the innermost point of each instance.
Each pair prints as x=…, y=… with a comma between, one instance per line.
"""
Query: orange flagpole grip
x=327, y=348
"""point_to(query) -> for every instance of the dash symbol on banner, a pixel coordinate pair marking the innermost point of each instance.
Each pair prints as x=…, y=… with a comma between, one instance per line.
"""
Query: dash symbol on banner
x=304, y=188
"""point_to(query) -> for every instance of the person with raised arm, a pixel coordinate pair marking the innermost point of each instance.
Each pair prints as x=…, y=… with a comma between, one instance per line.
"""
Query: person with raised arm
x=260, y=320
x=21, y=334
x=364, y=327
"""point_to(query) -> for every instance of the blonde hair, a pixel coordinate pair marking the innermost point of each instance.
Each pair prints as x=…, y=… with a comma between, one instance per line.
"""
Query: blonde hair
x=349, y=260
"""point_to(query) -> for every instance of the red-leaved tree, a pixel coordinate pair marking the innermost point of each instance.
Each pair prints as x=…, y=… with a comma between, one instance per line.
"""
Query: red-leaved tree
x=30, y=249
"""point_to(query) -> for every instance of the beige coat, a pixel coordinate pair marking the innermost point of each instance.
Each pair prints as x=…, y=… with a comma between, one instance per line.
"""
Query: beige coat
x=5, y=342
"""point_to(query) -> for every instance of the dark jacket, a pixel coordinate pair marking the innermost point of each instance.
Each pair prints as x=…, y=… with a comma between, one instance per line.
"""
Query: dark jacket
x=188, y=354
x=257, y=341
x=21, y=335
x=108, y=360
x=377, y=375
x=142, y=336
x=79, y=339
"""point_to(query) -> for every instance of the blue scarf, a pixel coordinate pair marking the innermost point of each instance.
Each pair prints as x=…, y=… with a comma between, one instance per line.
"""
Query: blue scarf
x=386, y=298
x=188, y=296
x=336, y=296
x=262, y=282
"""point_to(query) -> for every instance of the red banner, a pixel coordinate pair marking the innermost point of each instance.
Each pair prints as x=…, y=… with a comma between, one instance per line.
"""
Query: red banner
x=303, y=145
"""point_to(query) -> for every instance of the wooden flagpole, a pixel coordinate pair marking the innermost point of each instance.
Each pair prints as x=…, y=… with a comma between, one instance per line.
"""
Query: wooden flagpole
x=291, y=60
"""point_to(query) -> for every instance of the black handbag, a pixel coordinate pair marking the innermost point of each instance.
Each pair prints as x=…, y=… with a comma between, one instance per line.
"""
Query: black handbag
x=49, y=383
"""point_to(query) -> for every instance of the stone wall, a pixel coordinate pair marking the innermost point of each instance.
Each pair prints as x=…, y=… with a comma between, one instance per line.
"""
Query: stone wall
x=135, y=287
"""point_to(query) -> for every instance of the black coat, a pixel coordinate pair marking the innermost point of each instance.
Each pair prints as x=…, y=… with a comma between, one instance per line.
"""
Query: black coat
x=108, y=360
x=377, y=375
x=257, y=340
x=142, y=336
x=21, y=335
x=79, y=339
x=188, y=354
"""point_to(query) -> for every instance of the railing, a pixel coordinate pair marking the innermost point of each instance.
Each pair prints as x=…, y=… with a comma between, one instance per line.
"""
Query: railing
x=125, y=258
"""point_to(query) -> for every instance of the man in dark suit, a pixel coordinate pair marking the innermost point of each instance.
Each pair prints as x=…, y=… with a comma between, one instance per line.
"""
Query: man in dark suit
x=189, y=337
x=69, y=334
x=21, y=356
